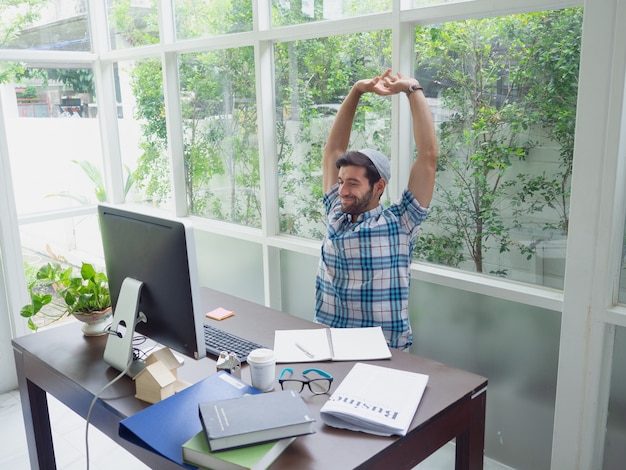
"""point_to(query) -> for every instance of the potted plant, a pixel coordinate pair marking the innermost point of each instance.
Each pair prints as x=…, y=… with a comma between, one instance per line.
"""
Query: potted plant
x=85, y=296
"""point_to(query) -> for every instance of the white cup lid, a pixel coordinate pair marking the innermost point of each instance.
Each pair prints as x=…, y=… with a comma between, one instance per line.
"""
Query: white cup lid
x=261, y=355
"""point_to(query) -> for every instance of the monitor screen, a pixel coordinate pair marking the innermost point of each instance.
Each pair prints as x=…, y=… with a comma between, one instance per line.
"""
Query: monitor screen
x=154, y=259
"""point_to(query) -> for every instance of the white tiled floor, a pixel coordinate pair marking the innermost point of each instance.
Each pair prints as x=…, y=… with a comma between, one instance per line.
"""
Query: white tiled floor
x=69, y=443
x=69, y=440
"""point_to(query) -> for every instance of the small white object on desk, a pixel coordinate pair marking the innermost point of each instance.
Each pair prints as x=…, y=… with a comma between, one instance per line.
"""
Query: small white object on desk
x=262, y=363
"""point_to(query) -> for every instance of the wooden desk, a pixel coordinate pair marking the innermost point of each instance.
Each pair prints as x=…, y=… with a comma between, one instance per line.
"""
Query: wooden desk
x=66, y=364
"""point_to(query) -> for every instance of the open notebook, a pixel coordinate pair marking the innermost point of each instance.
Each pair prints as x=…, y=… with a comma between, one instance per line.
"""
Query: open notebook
x=330, y=344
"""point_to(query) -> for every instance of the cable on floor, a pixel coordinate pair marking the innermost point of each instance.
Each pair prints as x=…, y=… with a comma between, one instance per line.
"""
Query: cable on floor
x=93, y=403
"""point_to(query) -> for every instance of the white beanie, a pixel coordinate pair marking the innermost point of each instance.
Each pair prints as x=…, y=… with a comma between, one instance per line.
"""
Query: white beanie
x=380, y=162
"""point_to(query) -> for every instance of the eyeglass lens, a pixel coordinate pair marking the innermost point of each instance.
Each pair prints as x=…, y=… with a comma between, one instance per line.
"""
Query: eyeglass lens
x=317, y=386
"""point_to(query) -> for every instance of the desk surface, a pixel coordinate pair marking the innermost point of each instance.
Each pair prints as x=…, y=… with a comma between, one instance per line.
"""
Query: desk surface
x=69, y=365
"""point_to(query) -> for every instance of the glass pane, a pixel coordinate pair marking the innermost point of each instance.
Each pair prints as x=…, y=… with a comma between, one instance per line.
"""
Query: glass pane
x=422, y=3
x=622, y=279
x=133, y=23
x=220, y=135
x=312, y=78
x=67, y=241
x=51, y=92
x=143, y=133
x=56, y=25
x=615, y=439
x=515, y=346
x=203, y=18
x=54, y=162
x=240, y=275
x=503, y=92
x=287, y=12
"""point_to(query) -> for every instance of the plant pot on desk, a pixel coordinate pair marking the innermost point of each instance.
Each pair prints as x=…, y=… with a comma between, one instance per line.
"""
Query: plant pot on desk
x=94, y=323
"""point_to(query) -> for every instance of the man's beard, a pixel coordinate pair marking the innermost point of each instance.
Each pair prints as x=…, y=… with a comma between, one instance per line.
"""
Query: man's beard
x=357, y=205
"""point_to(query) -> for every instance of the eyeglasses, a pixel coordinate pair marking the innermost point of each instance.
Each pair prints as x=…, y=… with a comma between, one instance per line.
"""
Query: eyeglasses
x=318, y=386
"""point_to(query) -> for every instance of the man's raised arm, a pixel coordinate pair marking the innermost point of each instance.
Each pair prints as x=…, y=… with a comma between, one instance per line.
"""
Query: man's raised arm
x=339, y=136
x=422, y=175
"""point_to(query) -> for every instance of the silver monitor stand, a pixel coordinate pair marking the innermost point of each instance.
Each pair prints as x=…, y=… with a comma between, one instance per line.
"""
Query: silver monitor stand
x=118, y=352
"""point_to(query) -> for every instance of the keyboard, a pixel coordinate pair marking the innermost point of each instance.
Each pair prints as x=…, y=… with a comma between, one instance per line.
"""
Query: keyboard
x=216, y=341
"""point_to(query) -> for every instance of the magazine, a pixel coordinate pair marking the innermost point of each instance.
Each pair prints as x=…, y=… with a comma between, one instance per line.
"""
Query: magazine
x=376, y=400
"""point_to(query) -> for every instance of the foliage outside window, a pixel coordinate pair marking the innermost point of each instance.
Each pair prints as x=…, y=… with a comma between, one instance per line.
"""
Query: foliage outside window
x=202, y=18
x=30, y=24
x=508, y=87
x=52, y=92
x=152, y=173
x=133, y=24
x=288, y=12
x=54, y=25
x=220, y=135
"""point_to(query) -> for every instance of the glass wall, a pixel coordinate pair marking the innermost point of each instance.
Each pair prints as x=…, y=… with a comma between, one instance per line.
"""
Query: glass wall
x=503, y=91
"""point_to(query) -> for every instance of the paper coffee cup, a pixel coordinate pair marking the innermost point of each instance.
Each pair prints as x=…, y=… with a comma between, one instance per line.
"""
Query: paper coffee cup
x=262, y=363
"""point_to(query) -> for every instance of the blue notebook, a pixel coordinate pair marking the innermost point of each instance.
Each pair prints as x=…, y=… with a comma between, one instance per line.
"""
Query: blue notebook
x=165, y=426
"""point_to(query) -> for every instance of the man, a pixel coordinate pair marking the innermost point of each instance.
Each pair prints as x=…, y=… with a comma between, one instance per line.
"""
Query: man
x=363, y=278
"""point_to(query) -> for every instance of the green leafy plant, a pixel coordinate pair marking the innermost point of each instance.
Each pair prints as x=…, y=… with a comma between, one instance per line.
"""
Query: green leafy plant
x=55, y=285
x=94, y=174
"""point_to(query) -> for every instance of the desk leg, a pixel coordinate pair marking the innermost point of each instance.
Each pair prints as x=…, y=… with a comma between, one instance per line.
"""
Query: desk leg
x=34, y=404
x=470, y=445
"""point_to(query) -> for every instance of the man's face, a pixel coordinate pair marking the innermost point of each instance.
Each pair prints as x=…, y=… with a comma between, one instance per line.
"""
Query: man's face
x=357, y=196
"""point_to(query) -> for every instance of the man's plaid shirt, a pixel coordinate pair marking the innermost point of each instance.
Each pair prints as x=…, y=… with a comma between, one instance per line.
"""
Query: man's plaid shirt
x=363, y=277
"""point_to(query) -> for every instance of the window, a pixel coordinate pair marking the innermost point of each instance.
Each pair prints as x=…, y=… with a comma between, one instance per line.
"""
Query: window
x=219, y=131
x=52, y=168
x=503, y=91
x=312, y=79
x=143, y=133
x=61, y=25
x=54, y=163
x=53, y=92
x=132, y=23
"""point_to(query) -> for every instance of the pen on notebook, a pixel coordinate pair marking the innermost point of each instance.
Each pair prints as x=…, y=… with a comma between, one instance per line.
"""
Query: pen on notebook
x=305, y=351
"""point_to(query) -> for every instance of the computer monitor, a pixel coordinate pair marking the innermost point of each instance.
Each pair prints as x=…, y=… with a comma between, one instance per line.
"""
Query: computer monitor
x=152, y=270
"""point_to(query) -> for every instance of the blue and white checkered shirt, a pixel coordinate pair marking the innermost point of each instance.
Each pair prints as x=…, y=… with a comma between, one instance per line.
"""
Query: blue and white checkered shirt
x=363, y=277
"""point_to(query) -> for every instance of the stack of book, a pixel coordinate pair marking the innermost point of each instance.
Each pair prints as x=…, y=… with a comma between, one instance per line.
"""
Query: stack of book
x=247, y=432
x=175, y=429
